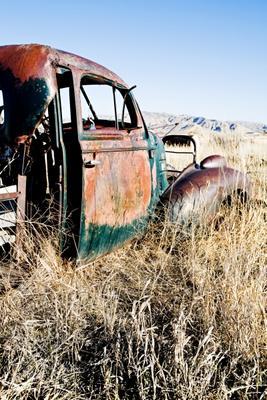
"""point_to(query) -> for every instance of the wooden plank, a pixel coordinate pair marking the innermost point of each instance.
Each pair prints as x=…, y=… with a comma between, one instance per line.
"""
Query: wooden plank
x=21, y=203
x=9, y=196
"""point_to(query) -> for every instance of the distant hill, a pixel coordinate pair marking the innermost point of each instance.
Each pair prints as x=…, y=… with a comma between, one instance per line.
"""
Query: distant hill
x=163, y=122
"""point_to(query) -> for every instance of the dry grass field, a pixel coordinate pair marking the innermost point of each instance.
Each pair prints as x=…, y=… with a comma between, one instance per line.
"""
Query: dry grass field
x=173, y=315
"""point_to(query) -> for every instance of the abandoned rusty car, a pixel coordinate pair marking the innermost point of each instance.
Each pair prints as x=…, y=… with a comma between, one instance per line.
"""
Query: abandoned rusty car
x=103, y=173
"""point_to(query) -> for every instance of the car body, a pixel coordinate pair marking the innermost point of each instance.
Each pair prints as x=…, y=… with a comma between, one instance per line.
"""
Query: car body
x=99, y=168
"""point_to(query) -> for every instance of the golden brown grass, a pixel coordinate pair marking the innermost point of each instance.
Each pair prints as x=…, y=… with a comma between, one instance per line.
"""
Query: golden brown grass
x=173, y=315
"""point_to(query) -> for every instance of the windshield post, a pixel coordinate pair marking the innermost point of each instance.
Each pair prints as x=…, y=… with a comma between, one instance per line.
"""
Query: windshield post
x=124, y=103
x=115, y=109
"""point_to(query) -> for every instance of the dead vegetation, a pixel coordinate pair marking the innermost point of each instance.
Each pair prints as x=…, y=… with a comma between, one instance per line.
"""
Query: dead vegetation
x=173, y=315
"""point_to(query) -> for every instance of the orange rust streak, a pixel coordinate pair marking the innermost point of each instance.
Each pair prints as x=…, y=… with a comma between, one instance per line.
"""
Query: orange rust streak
x=26, y=61
x=118, y=191
x=37, y=61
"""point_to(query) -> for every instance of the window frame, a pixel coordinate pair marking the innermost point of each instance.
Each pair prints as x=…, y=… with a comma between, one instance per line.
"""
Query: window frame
x=70, y=84
x=130, y=105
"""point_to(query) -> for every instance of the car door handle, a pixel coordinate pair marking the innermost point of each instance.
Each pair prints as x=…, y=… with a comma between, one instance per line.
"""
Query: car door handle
x=91, y=163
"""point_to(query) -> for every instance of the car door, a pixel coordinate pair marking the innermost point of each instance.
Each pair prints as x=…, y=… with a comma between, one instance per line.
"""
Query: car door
x=116, y=171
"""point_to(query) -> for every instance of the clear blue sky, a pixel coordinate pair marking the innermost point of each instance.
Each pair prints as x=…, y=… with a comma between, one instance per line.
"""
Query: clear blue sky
x=192, y=57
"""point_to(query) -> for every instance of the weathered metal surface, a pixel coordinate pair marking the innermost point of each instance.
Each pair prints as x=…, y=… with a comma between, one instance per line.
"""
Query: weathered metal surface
x=109, y=178
x=201, y=191
x=214, y=161
x=28, y=87
x=122, y=185
x=120, y=191
x=27, y=74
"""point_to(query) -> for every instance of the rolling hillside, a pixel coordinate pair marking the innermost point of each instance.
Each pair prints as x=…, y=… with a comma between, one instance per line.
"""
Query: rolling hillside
x=163, y=122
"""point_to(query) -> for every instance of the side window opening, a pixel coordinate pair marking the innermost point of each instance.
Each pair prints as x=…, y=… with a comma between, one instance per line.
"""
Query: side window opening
x=102, y=106
x=65, y=106
x=72, y=171
x=2, y=111
x=97, y=105
x=67, y=102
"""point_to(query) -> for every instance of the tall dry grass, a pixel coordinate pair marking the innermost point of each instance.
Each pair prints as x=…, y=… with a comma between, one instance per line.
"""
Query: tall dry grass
x=173, y=315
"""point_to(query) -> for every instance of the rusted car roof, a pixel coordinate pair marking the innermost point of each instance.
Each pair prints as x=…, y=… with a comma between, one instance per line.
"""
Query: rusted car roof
x=28, y=81
x=37, y=61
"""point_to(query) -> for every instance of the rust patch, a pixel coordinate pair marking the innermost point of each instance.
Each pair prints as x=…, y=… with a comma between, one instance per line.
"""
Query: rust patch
x=26, y=61
x=117, y=191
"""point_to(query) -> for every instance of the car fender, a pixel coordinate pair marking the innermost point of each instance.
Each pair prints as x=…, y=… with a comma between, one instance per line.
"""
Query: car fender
x=201, y=190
